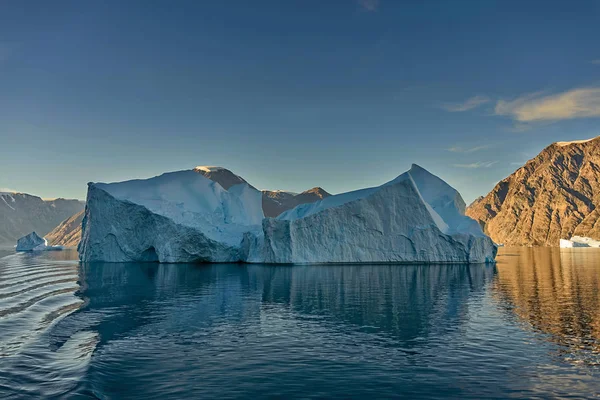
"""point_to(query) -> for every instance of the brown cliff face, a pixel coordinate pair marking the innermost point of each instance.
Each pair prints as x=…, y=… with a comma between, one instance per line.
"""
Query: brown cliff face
x=68, y=233
x=554, y=195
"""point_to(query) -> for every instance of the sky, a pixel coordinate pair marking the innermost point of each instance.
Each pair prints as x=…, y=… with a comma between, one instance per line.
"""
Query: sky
x=293, y=94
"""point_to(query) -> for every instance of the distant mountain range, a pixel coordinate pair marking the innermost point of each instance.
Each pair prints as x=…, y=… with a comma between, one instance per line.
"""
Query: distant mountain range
x=21, y=214
x=554, y=195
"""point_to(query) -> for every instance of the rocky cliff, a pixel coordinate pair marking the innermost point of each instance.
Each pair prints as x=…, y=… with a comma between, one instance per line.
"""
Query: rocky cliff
x=554, y=195
x=68, y=233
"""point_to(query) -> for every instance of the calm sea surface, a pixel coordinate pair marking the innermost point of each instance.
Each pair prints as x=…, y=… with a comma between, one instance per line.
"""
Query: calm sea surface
x=526, y=327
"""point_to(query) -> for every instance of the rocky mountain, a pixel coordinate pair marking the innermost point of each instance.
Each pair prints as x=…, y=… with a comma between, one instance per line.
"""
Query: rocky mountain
x=274, y=201
x=553, y=196
x=222, y=176
x=68, y=233
x=21, y=214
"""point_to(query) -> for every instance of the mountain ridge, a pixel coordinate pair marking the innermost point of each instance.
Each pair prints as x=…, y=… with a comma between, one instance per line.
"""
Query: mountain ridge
x=553, y=196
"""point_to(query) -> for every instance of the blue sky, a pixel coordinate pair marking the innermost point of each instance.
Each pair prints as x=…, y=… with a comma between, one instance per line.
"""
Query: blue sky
x=291, y=94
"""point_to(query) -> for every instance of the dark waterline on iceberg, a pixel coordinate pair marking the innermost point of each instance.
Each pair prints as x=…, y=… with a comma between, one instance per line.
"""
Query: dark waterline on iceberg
x=528, y=326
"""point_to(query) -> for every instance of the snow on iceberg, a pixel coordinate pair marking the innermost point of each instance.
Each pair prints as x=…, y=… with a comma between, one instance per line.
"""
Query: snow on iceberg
x=416, y=217
x=185, y=217
x=32, y=242
x=175, y=217
x=579, y=241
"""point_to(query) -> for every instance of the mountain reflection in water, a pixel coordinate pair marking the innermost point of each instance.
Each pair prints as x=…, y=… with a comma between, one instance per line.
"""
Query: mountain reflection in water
x=557, y=292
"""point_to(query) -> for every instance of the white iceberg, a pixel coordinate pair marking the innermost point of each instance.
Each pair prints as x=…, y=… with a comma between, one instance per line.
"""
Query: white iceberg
x=185, y=217
x=175, y=217
x=579, y=241
x=32, y=242
x=416, y=217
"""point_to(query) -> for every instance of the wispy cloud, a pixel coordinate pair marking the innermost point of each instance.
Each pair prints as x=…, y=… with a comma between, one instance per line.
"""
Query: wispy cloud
x=459, y=149
x=7, y=190
x=369, y=5
x=479, y=164
x=466, y=105
x=576, y=103
x=597, y=62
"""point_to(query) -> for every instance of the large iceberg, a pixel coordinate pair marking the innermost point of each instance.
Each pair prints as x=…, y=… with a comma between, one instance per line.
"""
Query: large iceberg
x=185, y=217
x=175, y=217
x=416, y=217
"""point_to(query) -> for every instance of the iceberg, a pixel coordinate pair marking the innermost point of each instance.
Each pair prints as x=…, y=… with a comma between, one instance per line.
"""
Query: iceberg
x=175, y=217
x=32, y=242
x=416, y=217
x=579, y=241
x=185, y=217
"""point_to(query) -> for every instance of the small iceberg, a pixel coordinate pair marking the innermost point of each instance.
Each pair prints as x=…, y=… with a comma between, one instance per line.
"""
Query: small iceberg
x=33, y=242
x=579, y=241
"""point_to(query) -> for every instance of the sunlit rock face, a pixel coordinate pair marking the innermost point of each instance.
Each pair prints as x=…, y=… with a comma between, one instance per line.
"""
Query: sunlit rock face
x=185, y=217
x=68, y=232
x=554, y=196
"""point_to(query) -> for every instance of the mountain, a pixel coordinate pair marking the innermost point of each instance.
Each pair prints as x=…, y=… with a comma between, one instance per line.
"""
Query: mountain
x=277, y=201
x=68, y=232
x=553, y=196
x=185, y=217
x=21, y=214
x=274, y=202
x=222, y=176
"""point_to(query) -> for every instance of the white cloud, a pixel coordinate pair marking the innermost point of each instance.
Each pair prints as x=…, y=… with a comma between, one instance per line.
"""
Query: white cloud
x=369, y=5
x=576, y=103
x=8, y=190
x=479, y=164
x=597, y=62
x=459, y=149
x=466, y=105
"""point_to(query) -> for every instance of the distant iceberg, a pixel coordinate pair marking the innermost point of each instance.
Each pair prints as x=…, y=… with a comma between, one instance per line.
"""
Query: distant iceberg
x=185, y=217
x=31, y=242
x=579, y=241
